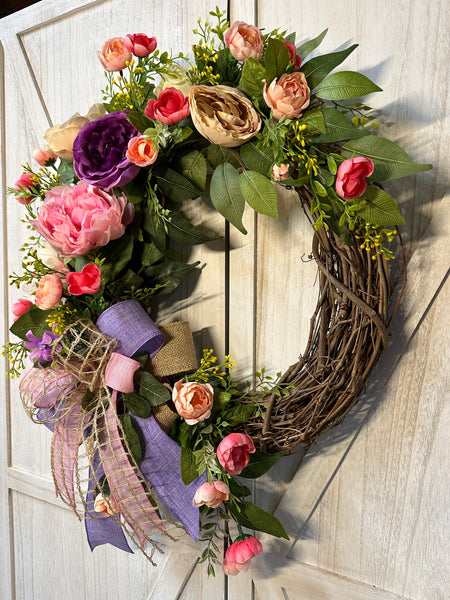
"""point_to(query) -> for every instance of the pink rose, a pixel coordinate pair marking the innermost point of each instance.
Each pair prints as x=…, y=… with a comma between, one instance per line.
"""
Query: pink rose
x=86, y=282
x=233, y=452
x=114, y=55
x=106, y=508
x=244, y=41
x=239, y=555
x=49, y=291
x=139, y=44
x=21, y=307
x=43, y=156
x=141, y=151
x=293, y=56
x=351, y=177
x=289, y=96
x=211, y=494
x=76, y=219
x=193, y=400
x=172, y=106
x=280, y=172
x=25, y=182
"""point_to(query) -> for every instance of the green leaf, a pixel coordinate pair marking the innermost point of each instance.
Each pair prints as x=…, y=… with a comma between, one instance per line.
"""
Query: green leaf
x=238, y=415
x=118, y=253
x=260, y=193
x=175, y=186
x=391, y=161
x=138, y=120
x=150, y=254
x=190, y=469
x=221, y=399
x=152, y=390
x=183, y=232
x=290, y=38
x=253, y=517
x=170, y=271
x=380, y=208
x=314, y=120
x=260, y=463
x=320, y=190
x=252, y=77
x=318, y=68
x=66, y=172
x=132, y=439
x=78, y=262
x=225, y=192
x=337, y=128
x=306, y=48
x=256, y=159
x=193, y=166
x=154, y=226
x=35, y=320
x=276, y=59
x=138, y=405
x=237, y=489
x=217, y=155
x=346, y=84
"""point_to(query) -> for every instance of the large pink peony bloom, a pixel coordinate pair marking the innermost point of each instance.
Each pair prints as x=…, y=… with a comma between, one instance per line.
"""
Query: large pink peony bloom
x=239, y=555
x=76, y=219
x=233, y=452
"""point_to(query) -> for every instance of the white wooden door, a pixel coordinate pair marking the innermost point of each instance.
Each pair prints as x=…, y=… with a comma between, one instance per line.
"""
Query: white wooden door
x=367, y=510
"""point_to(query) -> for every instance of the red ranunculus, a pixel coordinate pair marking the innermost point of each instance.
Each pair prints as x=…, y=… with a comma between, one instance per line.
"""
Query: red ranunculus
x=233, y=452
x=239, y=555
x=171, y=107
x=86, y=282
x=351, y=177
x=140, y=44
x=293, y=56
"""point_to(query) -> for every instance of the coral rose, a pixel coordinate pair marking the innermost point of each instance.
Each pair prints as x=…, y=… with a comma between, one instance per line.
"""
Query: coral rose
x=223, y=115
x=114, y=55
x=140, y=44
x=288, y=96
x=43, y=157
x=239, y=555
x=107, y=507
x=21, y=307
x=351, y=177
x=293, y=56
x=211, y=494
x=193, y=400
x=25, y=182
x=86, y=282
x=49, y=291
x=141, y=151
x=76, y=219
x=244, y=41
x=171, y=107
x=280, y=172
x=233, y=452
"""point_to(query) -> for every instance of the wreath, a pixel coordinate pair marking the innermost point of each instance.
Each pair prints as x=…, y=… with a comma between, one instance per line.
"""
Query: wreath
x=147, y=443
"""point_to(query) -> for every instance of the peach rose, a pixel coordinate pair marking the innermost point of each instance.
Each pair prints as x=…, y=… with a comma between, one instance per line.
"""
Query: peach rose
x=114, y=55
x=42, y=156
x=141, y=151
x=49, y=291
x=244, y=41
x=288, y=96
x=211, y=494
x=193, y=400
x=280, y=172
x=107, y=509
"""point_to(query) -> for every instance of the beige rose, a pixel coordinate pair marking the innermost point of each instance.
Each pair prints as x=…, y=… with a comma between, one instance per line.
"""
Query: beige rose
x=177, y=78
x=223, y=115
x=288, y=96
x=60, y=138
x=193, y=400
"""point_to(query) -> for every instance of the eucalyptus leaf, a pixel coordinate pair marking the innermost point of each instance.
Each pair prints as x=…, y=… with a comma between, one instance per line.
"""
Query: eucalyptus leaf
x=193, y=166
x=276, y=59
x=225, y=192
x=152, y=390
x=182, y=231
x=256, y=159
x=260, y=193
x=260, y=463
x=175, y=186
x=337, y=128
x=344, y=85
x=305, y=49
x=380, y=208
x=316, y=69
x=66, y=172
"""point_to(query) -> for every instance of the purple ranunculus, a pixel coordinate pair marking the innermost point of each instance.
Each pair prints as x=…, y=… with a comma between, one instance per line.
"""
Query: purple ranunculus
x=42, y=349
x=99, y=151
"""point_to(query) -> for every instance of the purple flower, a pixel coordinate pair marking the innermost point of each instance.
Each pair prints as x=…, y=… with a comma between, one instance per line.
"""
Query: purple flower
x=42, y=349
x=99, y=151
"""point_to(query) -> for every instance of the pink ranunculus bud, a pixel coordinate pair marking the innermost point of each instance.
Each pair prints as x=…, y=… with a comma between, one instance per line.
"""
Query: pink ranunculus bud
x=239, y=555
x=288, y=96
x=140, y=44
x=42, y=157
x=293, y=56
x=211, y=494
x=21, y=307
x=86, y=282
x=280, y=172
x=49, y=291
x=351, y=177
x=233, y=452
x=141, y=151
x=244, y=41
x=171, y=107
x=25, y=181
x=193, y=400
x=114, y=55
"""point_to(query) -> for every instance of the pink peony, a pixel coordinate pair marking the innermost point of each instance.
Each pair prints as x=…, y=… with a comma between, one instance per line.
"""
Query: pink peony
x=86, y=282
x=43, y=156
x=293, y=56
x=171, y=107
x=211, y=494
x=139, y=44
x=288, y=96
x=244, y=41
x=239, y=555
x=193, y=400
x=49, y=291
x=21, y=307
x=114, y=55
x=25, y=182
x=351, y=177
x=76, y=219
x=233, y=452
